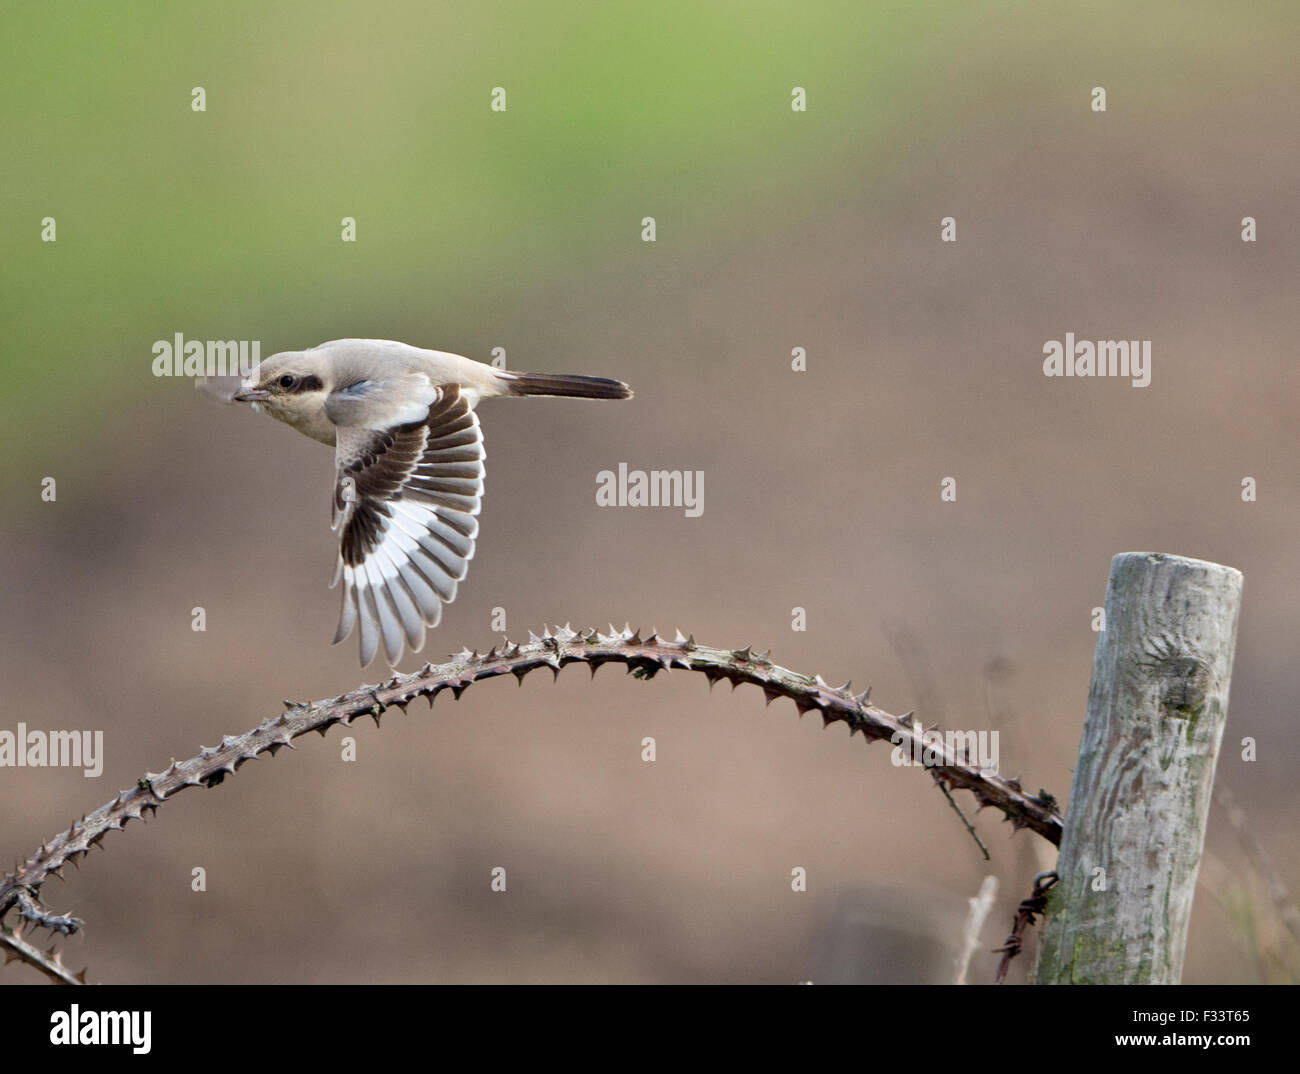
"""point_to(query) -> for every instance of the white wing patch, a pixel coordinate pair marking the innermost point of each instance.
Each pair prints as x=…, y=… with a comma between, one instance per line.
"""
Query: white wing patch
x=404, y=507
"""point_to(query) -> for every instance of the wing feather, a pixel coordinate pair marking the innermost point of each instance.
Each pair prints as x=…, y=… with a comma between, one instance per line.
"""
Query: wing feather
x=404, y=507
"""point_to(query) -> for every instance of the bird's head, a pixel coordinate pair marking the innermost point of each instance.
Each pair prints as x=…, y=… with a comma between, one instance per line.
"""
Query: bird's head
x=291, y=387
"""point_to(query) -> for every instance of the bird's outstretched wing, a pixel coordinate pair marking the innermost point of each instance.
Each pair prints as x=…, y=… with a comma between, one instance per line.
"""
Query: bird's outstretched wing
x=404, y=507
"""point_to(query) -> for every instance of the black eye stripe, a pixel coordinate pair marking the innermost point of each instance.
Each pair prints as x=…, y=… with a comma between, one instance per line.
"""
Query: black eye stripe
x=292, y=384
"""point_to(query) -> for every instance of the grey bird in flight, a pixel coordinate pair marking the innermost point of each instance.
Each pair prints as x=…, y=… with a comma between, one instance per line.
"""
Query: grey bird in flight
x=409, y=458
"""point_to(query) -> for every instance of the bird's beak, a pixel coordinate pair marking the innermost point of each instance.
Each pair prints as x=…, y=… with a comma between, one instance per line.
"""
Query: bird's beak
x=250, y=395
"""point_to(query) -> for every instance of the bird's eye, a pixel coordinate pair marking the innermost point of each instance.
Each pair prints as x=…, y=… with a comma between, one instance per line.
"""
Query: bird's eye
x=288, y=380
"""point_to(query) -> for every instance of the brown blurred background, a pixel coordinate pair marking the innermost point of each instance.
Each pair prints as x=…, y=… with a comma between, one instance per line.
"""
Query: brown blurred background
x=522, y=230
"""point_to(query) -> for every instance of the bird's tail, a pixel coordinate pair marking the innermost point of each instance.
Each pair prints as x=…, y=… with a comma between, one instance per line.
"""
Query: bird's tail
x=574, y=385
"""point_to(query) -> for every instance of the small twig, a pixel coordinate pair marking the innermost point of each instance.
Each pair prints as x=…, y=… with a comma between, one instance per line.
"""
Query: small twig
x=970, y=828
x=1028, y=911
x=1260, y=861
x=30, y=909
x=17, y=949
x=980, y=907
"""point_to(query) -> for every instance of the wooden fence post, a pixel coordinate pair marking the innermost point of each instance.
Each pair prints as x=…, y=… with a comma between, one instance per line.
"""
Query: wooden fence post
x=1135, y=824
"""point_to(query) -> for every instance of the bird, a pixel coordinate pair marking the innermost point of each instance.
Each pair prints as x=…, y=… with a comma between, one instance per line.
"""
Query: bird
x=408, y=454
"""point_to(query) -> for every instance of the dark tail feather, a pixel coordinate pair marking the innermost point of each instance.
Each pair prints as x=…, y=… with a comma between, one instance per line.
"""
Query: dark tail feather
x=569, y=384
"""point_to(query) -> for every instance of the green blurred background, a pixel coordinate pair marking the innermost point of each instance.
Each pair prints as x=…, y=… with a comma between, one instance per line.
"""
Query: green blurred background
x=478, y=229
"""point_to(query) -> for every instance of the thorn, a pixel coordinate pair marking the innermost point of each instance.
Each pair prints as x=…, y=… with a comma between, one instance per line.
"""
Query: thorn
x=635, y=639
x=464, y=656
x=863, y=697
x=743, y=654
x=771, y=693
x=519, y=674
x=653, y=638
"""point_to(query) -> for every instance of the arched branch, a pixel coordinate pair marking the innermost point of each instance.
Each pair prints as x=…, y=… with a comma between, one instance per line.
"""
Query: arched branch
x=643, y=657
